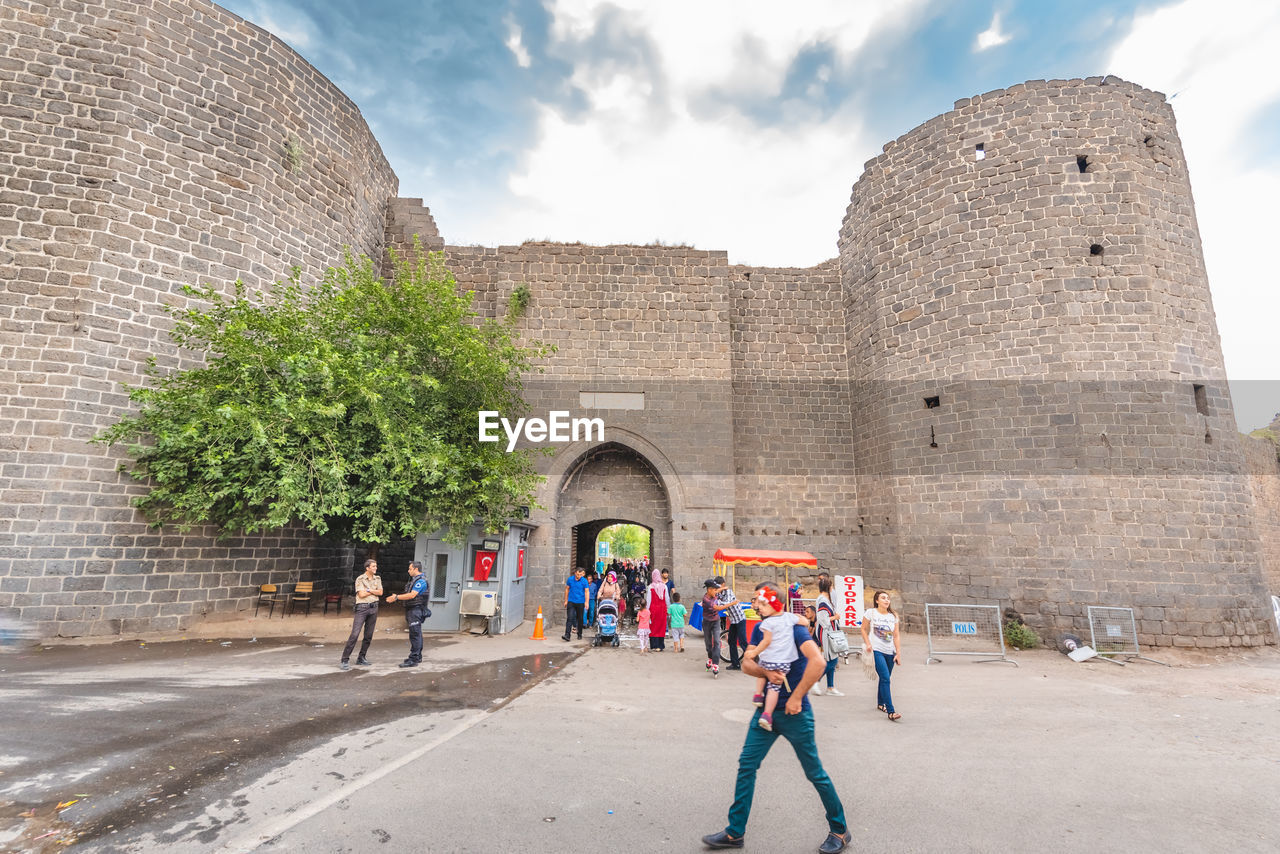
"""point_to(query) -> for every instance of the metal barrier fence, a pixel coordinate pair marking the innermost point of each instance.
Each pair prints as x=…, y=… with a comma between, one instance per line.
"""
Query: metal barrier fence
x=1112, y=632
x=798, y=605
x=965, y=630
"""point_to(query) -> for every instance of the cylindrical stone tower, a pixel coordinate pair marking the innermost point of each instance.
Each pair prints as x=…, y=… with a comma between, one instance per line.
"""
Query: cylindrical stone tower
x=1041, y=415
x=144, y=146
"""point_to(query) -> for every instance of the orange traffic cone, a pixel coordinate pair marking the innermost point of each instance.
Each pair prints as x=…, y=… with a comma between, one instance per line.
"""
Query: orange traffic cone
x=537, y=627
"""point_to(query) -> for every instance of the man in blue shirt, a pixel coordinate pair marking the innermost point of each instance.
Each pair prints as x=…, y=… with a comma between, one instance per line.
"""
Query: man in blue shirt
x=575, y=601
x=796, y=726
x=414, y=598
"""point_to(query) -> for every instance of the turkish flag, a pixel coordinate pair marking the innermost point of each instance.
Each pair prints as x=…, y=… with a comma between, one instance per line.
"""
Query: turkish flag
x=520, y=565
x=485, y=562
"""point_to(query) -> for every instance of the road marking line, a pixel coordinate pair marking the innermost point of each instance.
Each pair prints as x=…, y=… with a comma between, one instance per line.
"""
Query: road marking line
x=265, y=833
x=265, y=651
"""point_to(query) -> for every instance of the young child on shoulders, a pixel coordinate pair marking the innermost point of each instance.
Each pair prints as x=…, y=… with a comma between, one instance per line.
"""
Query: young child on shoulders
x=642, y=630
x=776, y=650
x=676, y=619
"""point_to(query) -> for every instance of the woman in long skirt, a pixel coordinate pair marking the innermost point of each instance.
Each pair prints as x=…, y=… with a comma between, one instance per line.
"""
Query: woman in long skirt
x=659, y=598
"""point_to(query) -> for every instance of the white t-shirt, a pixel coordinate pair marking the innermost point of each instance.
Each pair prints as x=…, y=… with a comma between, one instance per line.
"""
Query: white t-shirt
x=883, y=627
x=782, y=643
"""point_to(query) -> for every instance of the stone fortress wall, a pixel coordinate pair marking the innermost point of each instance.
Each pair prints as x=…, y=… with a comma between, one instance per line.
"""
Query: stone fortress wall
x=1264, y=480
x=1030, y=262
x=1051, y=296
x=143, y=146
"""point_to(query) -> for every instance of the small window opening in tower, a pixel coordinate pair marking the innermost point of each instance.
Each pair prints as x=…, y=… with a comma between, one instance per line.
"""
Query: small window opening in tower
x=1149, y=141
x=932, y=402
x=1095, y=249
x=1082, y=162
x=1202, y=399
x=980, y=151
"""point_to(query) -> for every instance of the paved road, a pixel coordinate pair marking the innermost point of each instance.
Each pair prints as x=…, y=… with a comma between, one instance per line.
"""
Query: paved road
x=142, y=736
x=624, y=752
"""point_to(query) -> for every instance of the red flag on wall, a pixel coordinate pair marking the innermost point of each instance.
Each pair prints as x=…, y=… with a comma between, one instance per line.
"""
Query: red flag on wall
x=485, y=562
x=520, y=565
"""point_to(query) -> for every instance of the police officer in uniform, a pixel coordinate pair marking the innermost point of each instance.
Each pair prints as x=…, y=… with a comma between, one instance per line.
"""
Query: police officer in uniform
x=414, y=598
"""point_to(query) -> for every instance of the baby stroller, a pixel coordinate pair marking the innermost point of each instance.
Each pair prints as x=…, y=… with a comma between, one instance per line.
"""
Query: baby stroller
x=606, y=623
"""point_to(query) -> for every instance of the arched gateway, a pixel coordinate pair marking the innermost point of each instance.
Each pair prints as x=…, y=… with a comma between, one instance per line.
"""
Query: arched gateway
x=603, y=486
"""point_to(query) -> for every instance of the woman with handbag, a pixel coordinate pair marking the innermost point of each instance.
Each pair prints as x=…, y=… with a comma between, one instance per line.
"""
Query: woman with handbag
x=880, y=637
x=826, y=618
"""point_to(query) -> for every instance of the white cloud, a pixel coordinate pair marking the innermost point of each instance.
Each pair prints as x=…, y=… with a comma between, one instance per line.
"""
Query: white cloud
x=292, y=26
x=635, y=170
x=991, y=37
x=1220, y=66
x=516, y=45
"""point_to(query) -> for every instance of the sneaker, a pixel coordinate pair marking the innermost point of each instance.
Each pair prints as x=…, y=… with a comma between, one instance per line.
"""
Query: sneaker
x=721, y=840
x=835, y=843
x=734, y=667
x=344, y=666
x=766, y=722
x=407, y=663
x=834, y=693
x=818, y=691
x=363, y=662
x=758, y=701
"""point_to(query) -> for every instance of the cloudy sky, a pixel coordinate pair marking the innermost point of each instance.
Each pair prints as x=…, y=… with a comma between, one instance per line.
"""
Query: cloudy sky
x=742, y=124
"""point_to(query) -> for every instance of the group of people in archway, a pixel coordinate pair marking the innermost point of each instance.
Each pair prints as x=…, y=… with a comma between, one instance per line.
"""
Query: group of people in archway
x=648, y=606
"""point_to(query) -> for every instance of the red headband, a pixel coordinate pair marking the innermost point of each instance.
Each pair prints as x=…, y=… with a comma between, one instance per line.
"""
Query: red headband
x=767, y=595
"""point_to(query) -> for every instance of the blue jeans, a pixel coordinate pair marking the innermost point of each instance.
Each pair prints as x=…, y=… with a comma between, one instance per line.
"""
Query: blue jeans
x=884, y=667
x=830, y=672
x=797, y=729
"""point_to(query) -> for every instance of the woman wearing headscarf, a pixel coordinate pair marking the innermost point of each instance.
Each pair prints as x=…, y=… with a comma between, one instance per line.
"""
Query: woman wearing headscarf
x=659, y=599
x=610, y=589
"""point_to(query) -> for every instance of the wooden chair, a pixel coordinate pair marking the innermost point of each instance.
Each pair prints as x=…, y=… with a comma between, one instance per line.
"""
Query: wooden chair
x=269, y=595
x=302, y=593
x=333, y=596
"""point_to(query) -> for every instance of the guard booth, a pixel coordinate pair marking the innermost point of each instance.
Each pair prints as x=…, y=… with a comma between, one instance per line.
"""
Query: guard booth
x=478, y=585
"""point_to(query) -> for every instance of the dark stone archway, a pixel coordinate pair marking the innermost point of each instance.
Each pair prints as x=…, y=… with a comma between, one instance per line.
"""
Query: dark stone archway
x=607, y=485
x=585, y=535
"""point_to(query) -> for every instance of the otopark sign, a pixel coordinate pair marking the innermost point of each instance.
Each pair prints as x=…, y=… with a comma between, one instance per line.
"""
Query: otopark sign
x=846, y=596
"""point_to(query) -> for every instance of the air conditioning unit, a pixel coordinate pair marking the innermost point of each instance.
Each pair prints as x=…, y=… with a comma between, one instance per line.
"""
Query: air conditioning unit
x=482, y=603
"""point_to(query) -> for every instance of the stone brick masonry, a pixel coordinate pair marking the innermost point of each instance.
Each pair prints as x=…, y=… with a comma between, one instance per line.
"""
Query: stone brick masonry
x=1007, y=388
x=144, y=146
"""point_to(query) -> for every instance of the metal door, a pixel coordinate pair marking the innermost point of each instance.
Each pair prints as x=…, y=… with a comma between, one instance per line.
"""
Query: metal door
x=443, y=566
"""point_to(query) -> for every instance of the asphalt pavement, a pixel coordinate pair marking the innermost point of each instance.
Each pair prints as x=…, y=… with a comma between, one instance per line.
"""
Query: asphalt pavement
x=507, y=744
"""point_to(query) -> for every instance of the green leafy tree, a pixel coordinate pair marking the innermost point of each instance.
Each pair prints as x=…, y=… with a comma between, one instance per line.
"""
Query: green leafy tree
x=349, y=407
x=626, y=541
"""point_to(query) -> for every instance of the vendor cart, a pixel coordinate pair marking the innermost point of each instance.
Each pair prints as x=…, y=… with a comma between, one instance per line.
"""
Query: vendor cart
x=743, y=569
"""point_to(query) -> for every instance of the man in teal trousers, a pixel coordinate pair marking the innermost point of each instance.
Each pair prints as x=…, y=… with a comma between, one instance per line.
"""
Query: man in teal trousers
x=796, y=726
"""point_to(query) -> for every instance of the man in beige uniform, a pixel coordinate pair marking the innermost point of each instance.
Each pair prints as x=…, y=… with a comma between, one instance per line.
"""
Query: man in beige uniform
x=368, y=589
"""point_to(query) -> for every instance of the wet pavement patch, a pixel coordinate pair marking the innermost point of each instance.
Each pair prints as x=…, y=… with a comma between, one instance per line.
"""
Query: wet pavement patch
x=158, y=765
